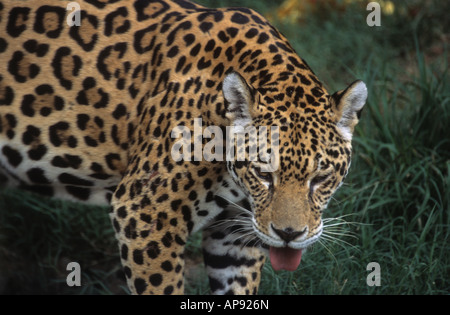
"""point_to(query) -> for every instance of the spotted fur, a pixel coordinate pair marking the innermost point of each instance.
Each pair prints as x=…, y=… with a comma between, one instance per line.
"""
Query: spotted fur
x=86, y=113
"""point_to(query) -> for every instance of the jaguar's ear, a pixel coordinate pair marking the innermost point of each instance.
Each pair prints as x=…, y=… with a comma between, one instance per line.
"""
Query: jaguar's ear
x=347, y=106
x=239, y=99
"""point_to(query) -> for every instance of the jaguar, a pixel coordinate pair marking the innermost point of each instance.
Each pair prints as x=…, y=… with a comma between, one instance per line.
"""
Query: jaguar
x=91, y=91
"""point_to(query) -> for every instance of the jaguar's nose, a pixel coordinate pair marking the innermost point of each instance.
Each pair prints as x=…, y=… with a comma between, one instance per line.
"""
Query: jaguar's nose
x=289, y=234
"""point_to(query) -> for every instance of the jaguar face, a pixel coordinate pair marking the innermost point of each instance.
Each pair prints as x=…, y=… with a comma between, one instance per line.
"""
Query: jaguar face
x=290, y=182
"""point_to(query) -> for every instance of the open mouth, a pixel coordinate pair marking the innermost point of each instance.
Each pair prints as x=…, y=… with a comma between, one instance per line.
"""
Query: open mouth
x=285, y=258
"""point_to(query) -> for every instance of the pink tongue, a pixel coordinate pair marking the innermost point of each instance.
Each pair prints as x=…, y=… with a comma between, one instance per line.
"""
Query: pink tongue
x=285, y=258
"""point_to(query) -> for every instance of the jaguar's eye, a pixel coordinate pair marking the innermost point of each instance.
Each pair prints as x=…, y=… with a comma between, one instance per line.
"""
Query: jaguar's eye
x=317, y=181
x=267, y=176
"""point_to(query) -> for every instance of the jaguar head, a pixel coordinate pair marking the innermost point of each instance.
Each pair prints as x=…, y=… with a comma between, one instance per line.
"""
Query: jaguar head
x=292, y=151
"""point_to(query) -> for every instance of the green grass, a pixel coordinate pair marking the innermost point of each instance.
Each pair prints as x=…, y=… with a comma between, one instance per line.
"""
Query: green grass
x=39, y=237
x=395, y=200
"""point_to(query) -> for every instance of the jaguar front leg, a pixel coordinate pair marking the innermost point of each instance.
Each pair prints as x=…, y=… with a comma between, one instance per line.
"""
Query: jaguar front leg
x=233, y=256
x=151, y=234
